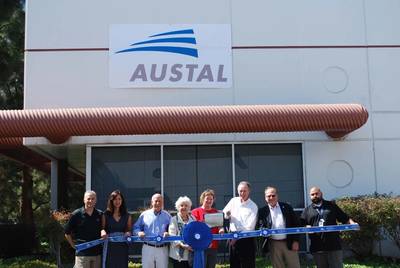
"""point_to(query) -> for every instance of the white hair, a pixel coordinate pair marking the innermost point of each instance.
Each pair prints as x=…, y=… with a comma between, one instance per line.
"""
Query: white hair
x=183, y=199
x=245, y=183
x=90, y=192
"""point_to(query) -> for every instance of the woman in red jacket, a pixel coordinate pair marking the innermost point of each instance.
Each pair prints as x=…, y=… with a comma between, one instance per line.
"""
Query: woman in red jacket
x=207, y=200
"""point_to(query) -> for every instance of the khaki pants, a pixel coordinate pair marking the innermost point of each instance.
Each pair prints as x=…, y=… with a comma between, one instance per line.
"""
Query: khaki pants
x=281, y=255
x=153, y=257
x=88, y=261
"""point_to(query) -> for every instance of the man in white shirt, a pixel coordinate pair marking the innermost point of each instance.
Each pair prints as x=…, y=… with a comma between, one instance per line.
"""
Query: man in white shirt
x=242, y=212
x=276, y=215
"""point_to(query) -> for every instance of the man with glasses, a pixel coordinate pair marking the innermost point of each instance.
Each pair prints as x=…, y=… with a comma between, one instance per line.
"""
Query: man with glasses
x=277, y=215
x=325, y=247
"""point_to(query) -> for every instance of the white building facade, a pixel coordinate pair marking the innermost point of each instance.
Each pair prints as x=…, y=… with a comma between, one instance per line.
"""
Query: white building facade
x=275, y=52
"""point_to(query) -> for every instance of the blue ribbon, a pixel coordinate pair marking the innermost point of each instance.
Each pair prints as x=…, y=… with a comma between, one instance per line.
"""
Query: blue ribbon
x=128, y=239
x=89, y=244
x=199, y=261
x=199, y=237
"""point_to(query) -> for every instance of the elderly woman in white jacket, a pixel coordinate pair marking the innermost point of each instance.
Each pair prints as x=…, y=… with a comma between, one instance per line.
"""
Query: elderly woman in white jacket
x=179, y=252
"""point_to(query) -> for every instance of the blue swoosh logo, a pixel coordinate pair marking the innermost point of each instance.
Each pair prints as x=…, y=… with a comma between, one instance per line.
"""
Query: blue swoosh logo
x=177, y=50
x=188, y=51
x=187, y=31
x=187, y=40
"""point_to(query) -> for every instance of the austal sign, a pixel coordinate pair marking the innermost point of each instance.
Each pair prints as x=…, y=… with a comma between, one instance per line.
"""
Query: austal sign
x=158, y=55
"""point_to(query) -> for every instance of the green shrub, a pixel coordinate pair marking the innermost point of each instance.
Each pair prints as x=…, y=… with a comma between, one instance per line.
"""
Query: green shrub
x=374, y=213
x=390, y=218
x=51, y=234
x=26, y=262
x=33, y=264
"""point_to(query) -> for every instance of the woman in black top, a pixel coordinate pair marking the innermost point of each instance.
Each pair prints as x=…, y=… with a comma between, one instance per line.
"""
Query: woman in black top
x=116, y=221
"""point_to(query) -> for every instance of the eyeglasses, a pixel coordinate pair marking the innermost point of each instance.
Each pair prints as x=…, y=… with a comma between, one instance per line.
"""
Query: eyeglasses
x=271, y=195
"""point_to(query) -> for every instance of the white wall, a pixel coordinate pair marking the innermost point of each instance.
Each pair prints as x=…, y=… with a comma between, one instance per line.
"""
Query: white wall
x=293, y=73
x=342, y=168
x=261, y=76
x=384, y=77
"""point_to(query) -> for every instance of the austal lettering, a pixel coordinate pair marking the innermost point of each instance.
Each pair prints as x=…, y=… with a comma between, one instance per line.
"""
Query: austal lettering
x=175, y=70
x=178, y=72
x=139, y=73
x=153, y=73
x=205, y=73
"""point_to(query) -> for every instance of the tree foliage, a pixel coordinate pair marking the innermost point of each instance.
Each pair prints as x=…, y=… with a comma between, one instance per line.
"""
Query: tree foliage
x=18, y=194
x=25, y=192
x=12, y=27
x=12, y=21
x=10, y=189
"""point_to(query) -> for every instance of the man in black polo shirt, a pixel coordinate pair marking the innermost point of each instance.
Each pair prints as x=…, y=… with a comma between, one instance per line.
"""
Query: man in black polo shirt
x=325, y=247
x=84, y=226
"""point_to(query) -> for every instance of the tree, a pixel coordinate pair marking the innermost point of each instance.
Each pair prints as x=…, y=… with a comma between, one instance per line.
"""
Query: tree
x=16, y=180
x=24, y=190
x=12, y=20
x=10, y=185
x=12, y=26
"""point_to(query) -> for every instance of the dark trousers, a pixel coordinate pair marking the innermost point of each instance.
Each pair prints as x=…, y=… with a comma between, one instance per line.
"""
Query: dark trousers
x=329, y=259
x=243, y=253
x=179, y=264
x=210, y=256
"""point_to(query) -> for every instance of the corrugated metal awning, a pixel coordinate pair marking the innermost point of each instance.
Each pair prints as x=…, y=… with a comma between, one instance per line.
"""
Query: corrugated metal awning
x=57, y=125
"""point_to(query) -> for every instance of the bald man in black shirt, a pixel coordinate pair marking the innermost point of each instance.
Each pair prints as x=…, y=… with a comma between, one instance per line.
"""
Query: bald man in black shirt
x=325, y=247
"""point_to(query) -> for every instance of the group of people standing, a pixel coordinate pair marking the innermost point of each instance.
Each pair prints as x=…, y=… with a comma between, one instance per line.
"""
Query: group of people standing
x=88, y=223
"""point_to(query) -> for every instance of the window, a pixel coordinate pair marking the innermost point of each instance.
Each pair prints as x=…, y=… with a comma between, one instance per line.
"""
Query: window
x=189, y=170
x=277, y=165
x=136, y=171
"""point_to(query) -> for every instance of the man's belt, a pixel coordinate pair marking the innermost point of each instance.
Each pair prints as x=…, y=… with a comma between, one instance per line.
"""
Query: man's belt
x=155, y=245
